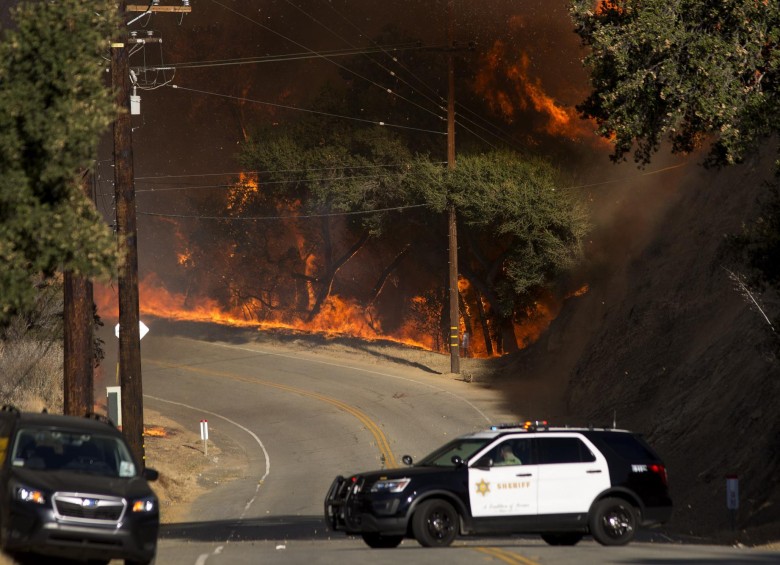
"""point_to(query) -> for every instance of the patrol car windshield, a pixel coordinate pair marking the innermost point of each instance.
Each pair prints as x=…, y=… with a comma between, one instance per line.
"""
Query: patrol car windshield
x=44, y=449
x=463, y=448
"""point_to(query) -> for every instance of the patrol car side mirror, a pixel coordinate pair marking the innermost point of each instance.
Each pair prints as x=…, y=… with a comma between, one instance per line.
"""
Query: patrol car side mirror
x=407, y=459
x=485, y=462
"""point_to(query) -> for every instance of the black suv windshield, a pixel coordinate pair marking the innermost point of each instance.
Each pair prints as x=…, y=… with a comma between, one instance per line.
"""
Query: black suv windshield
x=45, y=449
x=463, y=448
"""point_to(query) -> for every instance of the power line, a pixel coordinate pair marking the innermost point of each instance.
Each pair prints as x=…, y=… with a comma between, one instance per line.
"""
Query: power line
x=388, y=90
x=308, y=110
x=623, y=179
x=438, y=100
x=264, y=218
x=588, y=185
x=276, y=171
x=285, y=57
x=264, y=183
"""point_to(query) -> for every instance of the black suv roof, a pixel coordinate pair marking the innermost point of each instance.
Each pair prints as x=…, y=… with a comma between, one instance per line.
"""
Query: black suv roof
x=89, y=423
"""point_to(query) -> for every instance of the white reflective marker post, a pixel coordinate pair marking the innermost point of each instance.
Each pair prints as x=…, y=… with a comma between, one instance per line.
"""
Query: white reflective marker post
x=204, y=435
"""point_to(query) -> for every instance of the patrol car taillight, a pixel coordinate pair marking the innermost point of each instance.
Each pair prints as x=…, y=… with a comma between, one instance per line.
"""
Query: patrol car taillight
x=660, y=470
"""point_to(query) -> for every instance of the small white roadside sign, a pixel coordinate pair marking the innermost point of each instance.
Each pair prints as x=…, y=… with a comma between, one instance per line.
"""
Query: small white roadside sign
x=142, y=329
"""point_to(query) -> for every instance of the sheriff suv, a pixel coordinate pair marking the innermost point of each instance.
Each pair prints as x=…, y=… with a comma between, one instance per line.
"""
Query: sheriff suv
x=563, y=483
x=70, y=488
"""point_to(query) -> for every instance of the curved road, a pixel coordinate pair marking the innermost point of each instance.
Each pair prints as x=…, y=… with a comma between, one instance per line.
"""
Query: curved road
x=300, y=418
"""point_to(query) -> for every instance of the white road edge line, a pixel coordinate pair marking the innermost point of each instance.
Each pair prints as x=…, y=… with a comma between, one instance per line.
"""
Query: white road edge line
x=203, y=557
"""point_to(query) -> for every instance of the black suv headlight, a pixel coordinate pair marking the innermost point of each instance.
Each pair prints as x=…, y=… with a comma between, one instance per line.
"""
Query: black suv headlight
x=146, y=504
x=26, y=494
x=391, y=485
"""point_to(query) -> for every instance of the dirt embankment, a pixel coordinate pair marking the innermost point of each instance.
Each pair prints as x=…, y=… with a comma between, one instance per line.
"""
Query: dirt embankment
x=667, y=344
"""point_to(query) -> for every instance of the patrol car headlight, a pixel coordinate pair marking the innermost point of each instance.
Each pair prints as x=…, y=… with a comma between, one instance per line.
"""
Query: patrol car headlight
x=30, y=495
x=148, y=504
x=391, y=485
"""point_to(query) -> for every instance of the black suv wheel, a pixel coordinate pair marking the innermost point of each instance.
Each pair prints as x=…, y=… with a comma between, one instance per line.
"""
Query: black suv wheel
x=613, y=521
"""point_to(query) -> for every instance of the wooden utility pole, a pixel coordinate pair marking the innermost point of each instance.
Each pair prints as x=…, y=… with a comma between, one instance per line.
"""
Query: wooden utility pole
x=452, y=218
x=124, y=190
x=129, y=318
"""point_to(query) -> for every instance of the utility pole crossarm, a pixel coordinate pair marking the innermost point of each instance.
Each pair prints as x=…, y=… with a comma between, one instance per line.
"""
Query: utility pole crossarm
x=158, y=8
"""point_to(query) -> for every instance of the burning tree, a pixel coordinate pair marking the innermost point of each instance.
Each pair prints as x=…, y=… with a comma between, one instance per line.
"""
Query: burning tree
x=347, y=215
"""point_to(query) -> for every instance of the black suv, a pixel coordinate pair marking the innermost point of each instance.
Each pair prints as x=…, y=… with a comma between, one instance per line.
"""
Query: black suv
x=69, y=487
x=563, y=483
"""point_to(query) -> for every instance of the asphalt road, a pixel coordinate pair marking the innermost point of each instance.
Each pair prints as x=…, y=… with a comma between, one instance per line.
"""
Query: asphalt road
x=299, y=418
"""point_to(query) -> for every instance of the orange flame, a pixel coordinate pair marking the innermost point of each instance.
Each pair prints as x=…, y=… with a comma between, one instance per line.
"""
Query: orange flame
x=338, y=317
x=505, y=83
x=525, y=332
x=155, y=431
x=238, y=195
x=604, y=6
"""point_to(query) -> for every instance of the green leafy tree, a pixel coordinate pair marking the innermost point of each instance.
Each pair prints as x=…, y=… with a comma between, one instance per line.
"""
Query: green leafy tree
x=53, y=107
x=518, y=232
x=692, y=71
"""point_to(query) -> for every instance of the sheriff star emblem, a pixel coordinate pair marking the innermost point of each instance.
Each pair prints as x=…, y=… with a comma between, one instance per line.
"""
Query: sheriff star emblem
x=483, y=488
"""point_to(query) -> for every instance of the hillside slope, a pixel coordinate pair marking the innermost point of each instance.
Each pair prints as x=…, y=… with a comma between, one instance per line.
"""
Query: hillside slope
x=664, y=344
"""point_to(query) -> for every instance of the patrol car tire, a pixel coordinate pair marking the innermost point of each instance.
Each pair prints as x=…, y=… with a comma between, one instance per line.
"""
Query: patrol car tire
x=435, y=523
x=378, y=541
x=613, y=521
x=562, y=538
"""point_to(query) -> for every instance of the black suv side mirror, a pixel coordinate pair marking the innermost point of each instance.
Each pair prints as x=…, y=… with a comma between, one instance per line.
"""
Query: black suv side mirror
x=150, y=474
x=407, y=460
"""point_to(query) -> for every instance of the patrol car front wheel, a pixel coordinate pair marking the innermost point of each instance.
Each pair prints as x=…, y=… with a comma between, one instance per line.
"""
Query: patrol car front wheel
x=435, y=523
x=613, y=521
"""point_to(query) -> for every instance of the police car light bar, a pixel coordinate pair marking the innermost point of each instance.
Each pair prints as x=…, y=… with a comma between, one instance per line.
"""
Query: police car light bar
x=528, y=425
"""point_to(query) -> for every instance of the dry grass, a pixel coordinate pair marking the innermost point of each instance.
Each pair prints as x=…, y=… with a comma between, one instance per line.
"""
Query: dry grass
x=31, y=374
x=181, y=462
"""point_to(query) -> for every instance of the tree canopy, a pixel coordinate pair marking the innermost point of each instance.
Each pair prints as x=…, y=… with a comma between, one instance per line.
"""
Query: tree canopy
x=693, y=71
x=53, y=107
x=518, y=231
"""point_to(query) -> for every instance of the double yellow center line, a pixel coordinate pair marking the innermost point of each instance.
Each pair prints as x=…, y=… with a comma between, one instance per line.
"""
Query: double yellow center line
x=505, y=556
x=381, y=440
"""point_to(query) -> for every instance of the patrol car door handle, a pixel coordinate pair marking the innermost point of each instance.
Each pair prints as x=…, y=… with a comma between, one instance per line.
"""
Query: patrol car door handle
x=593, y=471
x=524, y=475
